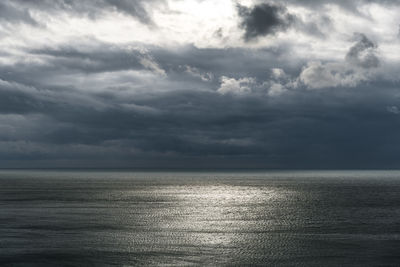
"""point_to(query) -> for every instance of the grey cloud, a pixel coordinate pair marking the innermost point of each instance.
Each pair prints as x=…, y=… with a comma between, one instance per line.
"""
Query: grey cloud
x=95, y=59
x=184, y=63
x=133, y=8
x=331, y=74
x=348, y=5
x=18, y=9
x=12, y=13
x=393, y=109
x=360, y=58
x=316, y=25
x=363, y=53
x=189, y=122
x=264, y=19
x=398, y=32
x=103, y=105
x=204, y=125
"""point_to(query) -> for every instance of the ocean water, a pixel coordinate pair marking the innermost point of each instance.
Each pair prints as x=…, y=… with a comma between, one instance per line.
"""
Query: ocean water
x=232, y=218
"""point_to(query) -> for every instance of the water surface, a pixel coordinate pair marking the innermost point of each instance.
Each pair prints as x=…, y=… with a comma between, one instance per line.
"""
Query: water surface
x=273, y=218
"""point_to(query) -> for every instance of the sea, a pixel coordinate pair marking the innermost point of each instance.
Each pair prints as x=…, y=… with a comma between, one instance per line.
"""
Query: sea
x=199, y=218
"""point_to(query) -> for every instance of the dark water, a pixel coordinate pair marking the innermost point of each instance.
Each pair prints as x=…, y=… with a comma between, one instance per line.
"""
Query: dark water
x=326, y=218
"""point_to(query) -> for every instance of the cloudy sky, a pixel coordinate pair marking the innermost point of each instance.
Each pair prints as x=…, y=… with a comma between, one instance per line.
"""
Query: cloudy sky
x=200, y=83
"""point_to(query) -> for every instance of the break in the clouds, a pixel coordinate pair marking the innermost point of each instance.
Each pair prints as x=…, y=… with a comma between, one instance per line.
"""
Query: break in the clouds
x=204, y=84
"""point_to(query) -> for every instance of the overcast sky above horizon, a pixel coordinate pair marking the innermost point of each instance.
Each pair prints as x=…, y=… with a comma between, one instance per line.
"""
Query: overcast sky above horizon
x=200, y=83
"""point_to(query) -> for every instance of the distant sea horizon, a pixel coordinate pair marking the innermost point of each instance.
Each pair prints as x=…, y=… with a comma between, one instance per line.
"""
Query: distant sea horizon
x=198, y=169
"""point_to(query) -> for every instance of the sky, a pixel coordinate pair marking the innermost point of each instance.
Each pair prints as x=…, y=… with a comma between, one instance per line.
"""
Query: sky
x=199, y=84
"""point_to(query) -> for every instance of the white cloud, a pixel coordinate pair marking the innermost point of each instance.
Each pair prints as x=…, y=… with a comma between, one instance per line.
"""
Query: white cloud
x=195, y=72
x=236, y=86
x=276, y=89
x=279, y=83
x=278, y=73
x=334, y=74
x=150, y=64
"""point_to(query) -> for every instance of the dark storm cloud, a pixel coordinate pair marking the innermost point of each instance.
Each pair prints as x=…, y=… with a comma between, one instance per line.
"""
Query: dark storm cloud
x=18, y=98
x=299, y=129
x=264, y=19
x=335, y=128
x=268, y=18
x=271, y=17
x=363, y=53
x=184, y=121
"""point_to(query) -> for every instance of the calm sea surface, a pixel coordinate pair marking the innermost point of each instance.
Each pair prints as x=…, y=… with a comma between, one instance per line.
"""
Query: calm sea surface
x=296, y=218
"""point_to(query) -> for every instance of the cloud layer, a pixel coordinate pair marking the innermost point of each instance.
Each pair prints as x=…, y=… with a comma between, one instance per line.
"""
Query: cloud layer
x=253, y=84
